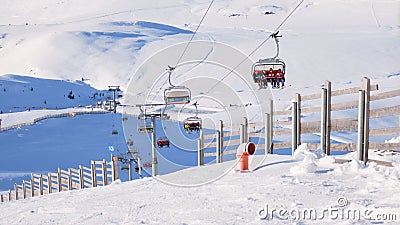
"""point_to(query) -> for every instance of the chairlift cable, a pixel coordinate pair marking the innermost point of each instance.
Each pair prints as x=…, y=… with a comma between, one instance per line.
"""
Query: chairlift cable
x=171, y=68
x=259, y=46
x=198, y=26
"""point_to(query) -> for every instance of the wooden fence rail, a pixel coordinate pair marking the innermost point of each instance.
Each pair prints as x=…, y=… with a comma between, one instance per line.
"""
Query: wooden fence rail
x=59, y=115
x=101, y=173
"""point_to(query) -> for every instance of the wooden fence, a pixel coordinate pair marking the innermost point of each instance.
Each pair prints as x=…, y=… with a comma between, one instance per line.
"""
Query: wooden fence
x=100, y=173
x=59, y=115
x=289, y=122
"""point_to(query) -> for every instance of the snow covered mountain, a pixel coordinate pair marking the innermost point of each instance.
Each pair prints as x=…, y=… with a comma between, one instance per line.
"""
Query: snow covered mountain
x=108, y=43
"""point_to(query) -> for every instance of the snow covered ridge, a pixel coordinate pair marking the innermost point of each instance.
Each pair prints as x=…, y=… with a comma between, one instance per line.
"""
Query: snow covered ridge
x=308, y=188
x=24, y=93
x=16, y=120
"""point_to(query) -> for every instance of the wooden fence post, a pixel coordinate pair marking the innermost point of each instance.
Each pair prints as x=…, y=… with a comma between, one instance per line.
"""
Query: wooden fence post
x=32, y=185
x=24, y=188
x=81, y=179
x=93, y=171
x=49, y=183
x=328, y=87
x=298, y=119
x=114, y=161
x=16, y=191
x=9, y=195
x=200, y=150
x=41, y=184
x=104, y=172
x=1, y=198
x=323, y=120
x=361, y=118
x=294, y=126
x=59, y=180
x=69, y=179
x=367, y=89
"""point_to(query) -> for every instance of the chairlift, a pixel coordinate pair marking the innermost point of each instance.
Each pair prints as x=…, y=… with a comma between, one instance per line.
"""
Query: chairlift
x=129, y=142
x=176, y=94
x=132, y=153
x=194, y=123
x=125, y=167
x=270, y=70
x=146, y=127
x=114, y=132
x=163, y=141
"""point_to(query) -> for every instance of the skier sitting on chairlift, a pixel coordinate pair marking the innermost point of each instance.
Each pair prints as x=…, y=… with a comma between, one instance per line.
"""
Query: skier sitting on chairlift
x=280, y=78
x=259, y=78
x=192, y=126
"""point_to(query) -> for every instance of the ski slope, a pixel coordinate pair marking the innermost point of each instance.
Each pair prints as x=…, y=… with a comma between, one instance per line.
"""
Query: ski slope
x=107, y=44
x=299, y=185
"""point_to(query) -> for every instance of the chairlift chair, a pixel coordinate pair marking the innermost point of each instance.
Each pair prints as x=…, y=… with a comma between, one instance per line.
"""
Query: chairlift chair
x=163, y=141
x=146, y=127
x=114, y=132
x=129, y=142
x=192, y=124
x=177, y=95
x=124, y=167
x=266, y=70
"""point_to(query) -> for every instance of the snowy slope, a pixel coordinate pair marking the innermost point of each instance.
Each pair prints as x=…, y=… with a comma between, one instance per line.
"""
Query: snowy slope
x=107, y=43
x=22, y=93
x=306, y=182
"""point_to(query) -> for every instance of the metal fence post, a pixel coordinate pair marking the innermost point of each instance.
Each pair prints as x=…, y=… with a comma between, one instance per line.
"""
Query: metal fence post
x=221, y=143
x=294, y=127
x=200, y=156
x=323, y=121
x=361, y=118
x=367, y=89
x=245, y=129
x=298, y=118
x=267, y=138
x=241, y=133
x=154, y=162
x=328, y=87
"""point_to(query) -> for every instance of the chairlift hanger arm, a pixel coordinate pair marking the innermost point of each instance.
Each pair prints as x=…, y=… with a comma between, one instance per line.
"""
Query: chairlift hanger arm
x=170, y=69
x=275, y=36
x=197, y=110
